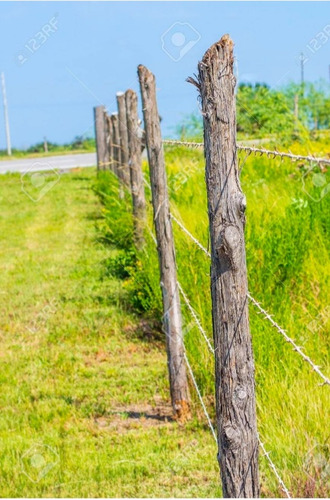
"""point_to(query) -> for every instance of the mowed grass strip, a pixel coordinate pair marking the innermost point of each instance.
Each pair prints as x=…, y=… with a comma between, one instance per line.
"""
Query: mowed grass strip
x=84, y=391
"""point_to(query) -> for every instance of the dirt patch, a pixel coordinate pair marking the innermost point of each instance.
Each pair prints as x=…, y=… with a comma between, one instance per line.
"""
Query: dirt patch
x=136, y=416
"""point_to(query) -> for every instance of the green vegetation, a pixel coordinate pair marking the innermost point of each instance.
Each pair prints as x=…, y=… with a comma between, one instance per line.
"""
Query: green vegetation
x=84, y=391
x=287, y=239
x=266, y=112
x=80, y=144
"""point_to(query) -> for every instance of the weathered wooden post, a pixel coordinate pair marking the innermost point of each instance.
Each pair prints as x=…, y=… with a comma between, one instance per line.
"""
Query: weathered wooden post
x=109, y=141
x=234, y=365
x=123, y=138
x=100, y=139
x=165, y=245
x=135, y=166
x=115, y=142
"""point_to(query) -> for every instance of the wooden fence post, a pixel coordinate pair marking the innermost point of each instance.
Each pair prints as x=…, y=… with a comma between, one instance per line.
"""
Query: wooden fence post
x=165, y=244
x=109, y=141
x=234, y=365
x=100, y=140
x=123, y=138
x=135, y=166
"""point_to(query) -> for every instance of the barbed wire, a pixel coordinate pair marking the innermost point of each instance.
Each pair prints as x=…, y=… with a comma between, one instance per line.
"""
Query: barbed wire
x=200, y=396
x=267, y=455
x=262, y=446
x=189, y=144
x=282, y=154
x=185, y=230
x=288, y=339
x=266, y=314
x=272, y=466
x=262, y=151
x=194, y=315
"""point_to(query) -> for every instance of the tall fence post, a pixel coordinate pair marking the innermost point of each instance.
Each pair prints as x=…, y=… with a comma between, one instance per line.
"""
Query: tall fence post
x=123, y=138
x=99, y=123
x=234, y=365
x=116, y=152
x=165, y=245
x=108, y=127
x=135, y=166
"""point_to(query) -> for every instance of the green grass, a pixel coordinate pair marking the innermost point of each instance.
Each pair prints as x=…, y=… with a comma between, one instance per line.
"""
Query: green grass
x=287, y=240
x=18, y=154
x=84, y=390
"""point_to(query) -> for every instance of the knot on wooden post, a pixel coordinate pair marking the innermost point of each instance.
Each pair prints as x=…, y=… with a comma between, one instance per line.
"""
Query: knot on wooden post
x=229, y=248
x=236, y=415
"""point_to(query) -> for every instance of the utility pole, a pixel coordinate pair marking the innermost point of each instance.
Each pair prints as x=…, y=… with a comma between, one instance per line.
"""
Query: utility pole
x=5, y=107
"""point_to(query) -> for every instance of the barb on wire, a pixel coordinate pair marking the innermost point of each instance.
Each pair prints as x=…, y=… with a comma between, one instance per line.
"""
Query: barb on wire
x=288, y=339
x=188, y=144
x=261, y=151
x=185, y=230
x=272, y=466
x=200, y=397
x=281, y=154
x=194, y=315
x=265, y=313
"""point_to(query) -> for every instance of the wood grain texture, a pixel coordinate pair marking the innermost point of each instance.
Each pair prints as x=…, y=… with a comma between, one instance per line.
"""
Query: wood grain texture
x=100, y=139
x=135, y=167
x=123, y=135
x=234, y=365
x=115, y=142
x=166, y=254
x=108, y=138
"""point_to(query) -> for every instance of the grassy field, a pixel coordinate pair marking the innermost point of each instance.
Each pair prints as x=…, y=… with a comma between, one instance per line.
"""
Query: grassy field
x=84, y=392
x=287, y=238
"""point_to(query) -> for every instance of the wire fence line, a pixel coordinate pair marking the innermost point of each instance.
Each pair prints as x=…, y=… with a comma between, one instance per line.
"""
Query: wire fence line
x=198, y=392
x=200, y=397
x=188, y=233
x=267, y=315
x=252, y=150
x=196, y=319
x=288, y=339
x=168, y=271
x=273, y=467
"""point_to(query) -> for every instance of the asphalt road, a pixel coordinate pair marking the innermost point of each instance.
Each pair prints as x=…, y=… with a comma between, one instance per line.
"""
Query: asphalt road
x=63, y=162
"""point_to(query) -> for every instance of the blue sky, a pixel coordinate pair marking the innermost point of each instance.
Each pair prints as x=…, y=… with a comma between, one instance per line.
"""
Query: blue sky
x=62, y=58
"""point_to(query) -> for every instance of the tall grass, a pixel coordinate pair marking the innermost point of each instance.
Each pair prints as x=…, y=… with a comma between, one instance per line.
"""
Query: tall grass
x=287, y=242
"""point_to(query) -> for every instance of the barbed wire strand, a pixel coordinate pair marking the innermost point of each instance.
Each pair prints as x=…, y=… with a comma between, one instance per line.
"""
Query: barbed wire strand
x=266, y=314
x=272, y=466
x=200, y=397
x=194, y=315
x=261, y=151
x=266, y=454
x=288, y=339
x=185, y=230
